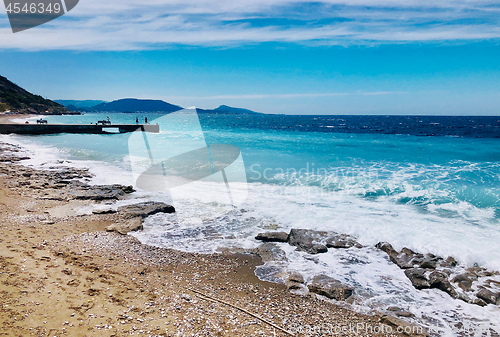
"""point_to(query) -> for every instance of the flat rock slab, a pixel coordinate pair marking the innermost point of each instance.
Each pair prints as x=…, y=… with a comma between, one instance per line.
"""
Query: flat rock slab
x=100, y=192
x=145, y=209
x=272, y=237
x=131, y=225
x=330, y=287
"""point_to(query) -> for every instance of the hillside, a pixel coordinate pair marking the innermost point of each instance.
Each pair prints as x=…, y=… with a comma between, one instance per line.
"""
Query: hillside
x=224, y=109
x=15, y=99
x=136, y=105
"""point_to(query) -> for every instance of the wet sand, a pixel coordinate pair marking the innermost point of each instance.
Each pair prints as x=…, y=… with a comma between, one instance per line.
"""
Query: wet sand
x=63, y=275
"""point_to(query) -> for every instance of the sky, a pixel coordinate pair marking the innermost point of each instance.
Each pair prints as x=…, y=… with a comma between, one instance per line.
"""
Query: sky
x=273, y=56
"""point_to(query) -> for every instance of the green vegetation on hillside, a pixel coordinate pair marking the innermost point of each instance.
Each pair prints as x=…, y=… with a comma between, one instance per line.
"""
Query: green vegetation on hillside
x=17, y=100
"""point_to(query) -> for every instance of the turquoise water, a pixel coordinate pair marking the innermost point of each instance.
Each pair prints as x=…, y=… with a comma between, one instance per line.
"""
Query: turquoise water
x=438, y=170
x=438, y=193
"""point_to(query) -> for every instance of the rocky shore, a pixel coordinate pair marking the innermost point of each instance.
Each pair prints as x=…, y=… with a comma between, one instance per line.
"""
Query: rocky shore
x=67, y=274
x=425, y=271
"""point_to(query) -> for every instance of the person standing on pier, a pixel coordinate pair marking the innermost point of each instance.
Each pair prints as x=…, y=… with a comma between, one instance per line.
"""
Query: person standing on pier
x=136, y=120
x=145, y=120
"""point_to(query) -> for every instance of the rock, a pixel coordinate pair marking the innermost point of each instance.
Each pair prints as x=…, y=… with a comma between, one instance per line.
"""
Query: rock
x=128, y=189
x=317, y=249
x=104, y=211
x=272, y=237
x=487, y=296
x=429, y=261
x=145, y=209
x=330, y=287
x=403, y=259
x=400, y=312
x=399, y=325
x=464, y=297
x=129, y=226
x=342, y=241
x=294, y=281
x=450, y=262
x=309, y=241
x=98, y=192
x=417, y=278
x=480, y=302
x=296, y=277
x=407, y=259
x=270, y=252
x=480, y=272
x=439, y=280
x=493, y=283
x=186, y=297
x=464, y=281
x=387, y=248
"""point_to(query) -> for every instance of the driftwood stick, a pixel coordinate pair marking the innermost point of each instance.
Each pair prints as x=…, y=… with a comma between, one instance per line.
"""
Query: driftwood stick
x=207, y=297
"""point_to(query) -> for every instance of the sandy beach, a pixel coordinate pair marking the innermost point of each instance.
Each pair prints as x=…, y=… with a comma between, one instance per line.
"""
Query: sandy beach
x=64, y=274
x=7, y=119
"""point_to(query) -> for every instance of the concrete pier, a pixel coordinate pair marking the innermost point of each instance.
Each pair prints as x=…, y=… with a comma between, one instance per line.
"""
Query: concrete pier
x=46, y=129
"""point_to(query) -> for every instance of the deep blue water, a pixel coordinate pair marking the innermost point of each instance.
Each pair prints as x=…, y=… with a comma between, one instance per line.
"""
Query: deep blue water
x=459, y=126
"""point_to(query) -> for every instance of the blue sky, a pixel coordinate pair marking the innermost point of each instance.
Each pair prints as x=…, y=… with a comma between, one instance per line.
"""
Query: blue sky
x=276, y=56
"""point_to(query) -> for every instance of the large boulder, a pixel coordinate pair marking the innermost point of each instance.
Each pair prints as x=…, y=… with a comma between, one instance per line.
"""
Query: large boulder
x=309, y=241
x=439, y=280
x=330, y=287
x=270, y=252
x=417, y=278
x=145, y=209
x=272, y=237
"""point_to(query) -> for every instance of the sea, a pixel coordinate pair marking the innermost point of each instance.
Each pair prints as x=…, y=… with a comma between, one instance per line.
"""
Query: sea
x=428, y=183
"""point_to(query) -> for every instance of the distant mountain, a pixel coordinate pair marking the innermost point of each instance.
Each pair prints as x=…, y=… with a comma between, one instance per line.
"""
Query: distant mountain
x=224, y=109
x=17, y=100
x=84, y=104
x=136, y=105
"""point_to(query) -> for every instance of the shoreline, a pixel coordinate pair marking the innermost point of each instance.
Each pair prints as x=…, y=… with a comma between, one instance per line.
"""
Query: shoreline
x=6, y=119
x=87, y=281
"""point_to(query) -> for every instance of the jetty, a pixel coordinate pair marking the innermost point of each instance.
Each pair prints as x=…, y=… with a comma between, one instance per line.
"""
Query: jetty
x=47, y=129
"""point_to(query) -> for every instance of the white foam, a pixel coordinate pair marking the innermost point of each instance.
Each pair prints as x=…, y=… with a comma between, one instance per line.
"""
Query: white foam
x=469, y=233
x=380, y=283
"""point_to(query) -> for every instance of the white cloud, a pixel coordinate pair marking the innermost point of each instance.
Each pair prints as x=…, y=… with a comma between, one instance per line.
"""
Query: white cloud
x=129, y=25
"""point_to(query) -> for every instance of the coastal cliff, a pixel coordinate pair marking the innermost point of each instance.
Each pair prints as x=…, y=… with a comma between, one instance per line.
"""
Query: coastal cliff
x=16, y=100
